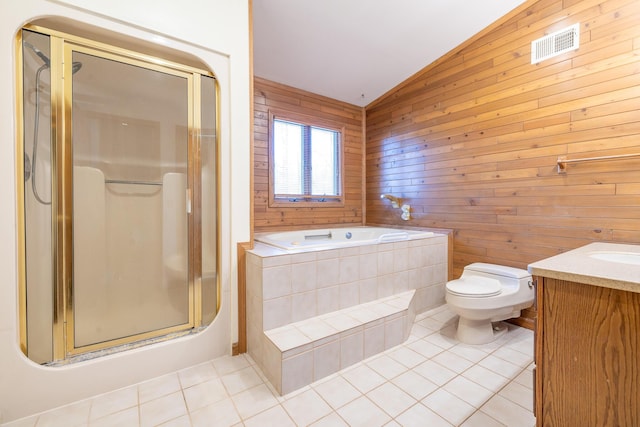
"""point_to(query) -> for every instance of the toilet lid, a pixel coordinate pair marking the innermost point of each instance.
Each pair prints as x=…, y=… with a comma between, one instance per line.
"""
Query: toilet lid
x=476, y=288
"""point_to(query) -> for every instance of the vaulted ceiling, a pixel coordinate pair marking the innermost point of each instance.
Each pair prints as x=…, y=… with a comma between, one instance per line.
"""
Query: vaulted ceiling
x=357, y=50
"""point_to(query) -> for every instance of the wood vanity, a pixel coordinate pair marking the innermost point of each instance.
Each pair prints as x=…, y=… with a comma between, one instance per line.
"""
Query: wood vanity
x=587, y=345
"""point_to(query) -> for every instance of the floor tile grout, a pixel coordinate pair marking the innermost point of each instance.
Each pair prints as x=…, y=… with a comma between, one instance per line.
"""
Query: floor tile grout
x=252, y=397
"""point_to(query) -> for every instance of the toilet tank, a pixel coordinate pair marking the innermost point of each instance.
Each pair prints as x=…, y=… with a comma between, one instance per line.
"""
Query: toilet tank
x=508, y=276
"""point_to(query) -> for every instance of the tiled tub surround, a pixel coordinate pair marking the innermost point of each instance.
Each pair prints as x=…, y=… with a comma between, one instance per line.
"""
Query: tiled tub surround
x=311, y=314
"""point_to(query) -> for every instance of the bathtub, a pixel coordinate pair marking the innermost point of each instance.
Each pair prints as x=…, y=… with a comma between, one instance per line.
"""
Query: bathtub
x=332, y=238
x=298, y=281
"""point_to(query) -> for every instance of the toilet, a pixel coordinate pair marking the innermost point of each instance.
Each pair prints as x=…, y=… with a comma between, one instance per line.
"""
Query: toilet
x=484, y=295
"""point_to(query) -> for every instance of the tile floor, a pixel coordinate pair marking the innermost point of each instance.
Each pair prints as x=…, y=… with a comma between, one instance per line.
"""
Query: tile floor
x=430, y=380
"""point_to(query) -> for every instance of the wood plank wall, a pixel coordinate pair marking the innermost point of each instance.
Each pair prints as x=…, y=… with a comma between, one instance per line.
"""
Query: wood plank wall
x=273, y=95
x=471, y=142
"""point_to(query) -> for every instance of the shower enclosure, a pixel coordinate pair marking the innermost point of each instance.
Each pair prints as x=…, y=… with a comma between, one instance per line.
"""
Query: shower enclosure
x=118, y=197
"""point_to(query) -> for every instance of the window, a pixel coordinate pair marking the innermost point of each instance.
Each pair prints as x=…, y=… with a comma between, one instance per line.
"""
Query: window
x=305, y=161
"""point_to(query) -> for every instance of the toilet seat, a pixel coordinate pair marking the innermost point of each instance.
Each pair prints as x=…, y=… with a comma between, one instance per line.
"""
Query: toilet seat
x=477, y=287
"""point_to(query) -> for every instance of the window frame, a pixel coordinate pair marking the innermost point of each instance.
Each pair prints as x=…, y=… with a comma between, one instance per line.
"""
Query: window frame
x=305, y=200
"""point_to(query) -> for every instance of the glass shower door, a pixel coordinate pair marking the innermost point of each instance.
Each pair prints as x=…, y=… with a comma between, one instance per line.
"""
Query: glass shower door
x=131, y=203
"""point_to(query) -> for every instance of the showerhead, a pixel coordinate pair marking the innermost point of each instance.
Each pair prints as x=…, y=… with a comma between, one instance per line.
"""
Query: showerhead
x=38, y=52
x=75, y=67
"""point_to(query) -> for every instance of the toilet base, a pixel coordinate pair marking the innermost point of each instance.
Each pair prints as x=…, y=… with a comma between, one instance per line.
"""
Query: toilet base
x=479, y=331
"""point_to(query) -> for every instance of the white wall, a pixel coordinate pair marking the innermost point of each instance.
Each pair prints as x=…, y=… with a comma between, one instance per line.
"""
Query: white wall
x=217, y=32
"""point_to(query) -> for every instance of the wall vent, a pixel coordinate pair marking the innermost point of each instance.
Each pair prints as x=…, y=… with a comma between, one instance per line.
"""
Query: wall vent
x=555, y=43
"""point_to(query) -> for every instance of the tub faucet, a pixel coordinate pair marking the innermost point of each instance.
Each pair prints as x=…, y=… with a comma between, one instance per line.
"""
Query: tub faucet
x=395, y=202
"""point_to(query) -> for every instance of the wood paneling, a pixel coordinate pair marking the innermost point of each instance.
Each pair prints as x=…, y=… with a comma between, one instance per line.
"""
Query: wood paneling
x=471, y=142
x=587, y=371
x=241, y=345
x=270, y=95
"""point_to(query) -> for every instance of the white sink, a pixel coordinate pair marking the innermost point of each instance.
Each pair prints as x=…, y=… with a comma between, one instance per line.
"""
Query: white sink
x=619, y=257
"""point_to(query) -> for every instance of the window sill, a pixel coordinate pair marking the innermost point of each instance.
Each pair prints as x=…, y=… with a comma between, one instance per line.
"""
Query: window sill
x=307, y=202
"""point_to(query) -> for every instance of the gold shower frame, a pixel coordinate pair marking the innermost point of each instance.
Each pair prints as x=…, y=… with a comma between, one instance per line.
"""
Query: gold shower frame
x=62, y=46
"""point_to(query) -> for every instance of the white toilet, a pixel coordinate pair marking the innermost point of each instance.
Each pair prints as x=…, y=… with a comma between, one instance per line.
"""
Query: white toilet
x=487, y=293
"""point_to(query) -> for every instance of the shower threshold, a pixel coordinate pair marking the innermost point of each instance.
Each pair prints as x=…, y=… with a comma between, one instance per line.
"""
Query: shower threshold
x=124, y=347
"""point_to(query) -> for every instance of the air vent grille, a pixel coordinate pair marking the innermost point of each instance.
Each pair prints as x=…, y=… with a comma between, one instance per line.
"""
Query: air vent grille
x=555, y=44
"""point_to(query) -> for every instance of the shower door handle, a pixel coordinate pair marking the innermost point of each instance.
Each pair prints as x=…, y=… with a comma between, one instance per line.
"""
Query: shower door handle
x=188, y=201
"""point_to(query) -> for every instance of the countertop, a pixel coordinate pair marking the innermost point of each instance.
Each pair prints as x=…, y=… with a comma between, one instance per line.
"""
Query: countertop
x=577, y=266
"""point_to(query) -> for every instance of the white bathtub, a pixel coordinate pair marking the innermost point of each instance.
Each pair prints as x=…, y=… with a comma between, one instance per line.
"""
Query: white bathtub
x=331, y=238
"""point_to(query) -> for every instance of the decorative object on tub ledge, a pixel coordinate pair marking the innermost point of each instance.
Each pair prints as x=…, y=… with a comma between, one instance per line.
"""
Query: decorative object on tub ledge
x=406, y=212
x=562, y=161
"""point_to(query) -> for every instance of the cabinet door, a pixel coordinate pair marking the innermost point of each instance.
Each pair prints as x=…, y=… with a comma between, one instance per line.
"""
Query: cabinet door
x=589, y=343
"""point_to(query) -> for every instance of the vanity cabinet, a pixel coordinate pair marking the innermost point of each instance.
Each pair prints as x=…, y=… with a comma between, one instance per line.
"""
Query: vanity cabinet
x=587, y=354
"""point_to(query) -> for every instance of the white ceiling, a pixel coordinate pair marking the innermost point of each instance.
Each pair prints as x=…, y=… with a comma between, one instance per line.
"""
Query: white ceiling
x=357, y=50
